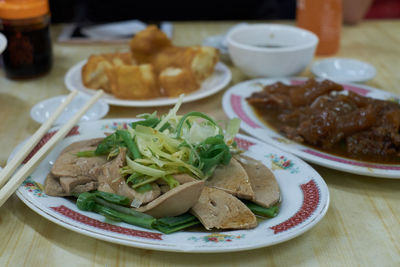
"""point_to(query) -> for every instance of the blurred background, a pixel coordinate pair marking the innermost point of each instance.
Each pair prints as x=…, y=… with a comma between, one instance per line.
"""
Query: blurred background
x=107, y=11
x=117, y=10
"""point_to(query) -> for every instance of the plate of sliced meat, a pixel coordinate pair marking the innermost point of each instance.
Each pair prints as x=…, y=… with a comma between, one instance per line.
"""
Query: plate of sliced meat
x=348, y=127
x=273, y=179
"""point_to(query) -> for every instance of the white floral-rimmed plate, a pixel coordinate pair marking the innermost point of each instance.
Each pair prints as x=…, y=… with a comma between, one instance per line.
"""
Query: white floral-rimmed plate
x=215, y=83
x=235, y=105
x=305, y=200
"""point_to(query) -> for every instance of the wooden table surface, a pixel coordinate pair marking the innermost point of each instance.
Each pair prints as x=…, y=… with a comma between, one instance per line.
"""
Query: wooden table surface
x=361, y=227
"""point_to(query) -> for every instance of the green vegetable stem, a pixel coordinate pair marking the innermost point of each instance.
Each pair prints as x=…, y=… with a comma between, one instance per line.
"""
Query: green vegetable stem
x=168, y=225
x=87, y=202
x=109, y=205
x=270, y=212
x=130, y=143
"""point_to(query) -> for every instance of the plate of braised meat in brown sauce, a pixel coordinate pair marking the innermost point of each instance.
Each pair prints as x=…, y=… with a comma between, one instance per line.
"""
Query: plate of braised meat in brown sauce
x=348, y=127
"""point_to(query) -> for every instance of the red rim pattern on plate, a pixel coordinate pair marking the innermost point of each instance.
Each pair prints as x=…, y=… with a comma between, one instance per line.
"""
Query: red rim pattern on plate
x=311, y=199
x=45, y=139
x=236, y=102
x=104, y=226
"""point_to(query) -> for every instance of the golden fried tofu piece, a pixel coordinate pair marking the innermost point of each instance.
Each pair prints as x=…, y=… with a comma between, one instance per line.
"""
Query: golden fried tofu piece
x=200, y=60
x=177, y=81
x=147, y=43
x=133, y=81
x=119, y=58
x=203, y=62
x=152, y=46
x=172, y=56
x=94, y=71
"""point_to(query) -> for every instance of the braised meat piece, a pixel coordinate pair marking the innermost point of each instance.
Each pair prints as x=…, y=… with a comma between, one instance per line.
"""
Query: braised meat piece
x=322, y=114
x=283, y=96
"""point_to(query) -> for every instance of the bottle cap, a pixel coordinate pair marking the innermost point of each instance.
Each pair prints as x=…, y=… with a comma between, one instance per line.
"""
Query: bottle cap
x=23, y=9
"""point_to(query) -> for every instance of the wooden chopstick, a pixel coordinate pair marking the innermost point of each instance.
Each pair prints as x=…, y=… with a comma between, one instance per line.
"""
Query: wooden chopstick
x=32, y=142
x=26, y=169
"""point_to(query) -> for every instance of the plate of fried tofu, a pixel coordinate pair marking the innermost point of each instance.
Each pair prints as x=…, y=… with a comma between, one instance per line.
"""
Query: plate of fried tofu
x=153, y=72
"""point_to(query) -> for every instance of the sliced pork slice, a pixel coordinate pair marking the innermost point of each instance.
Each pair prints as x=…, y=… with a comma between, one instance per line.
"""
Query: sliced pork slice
x=79, y=183
x=85, y=143
x=263, y=182
x=69, y=165
x=85, y=187
x=218, y=209
x=174, y=202
x=110, y=180
x=232, y=179
x=54, y=186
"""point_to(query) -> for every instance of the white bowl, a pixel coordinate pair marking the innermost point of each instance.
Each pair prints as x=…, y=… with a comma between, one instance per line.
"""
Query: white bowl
x=343, y=70
x=3, y=43
x=271, y=50
x=44, y=109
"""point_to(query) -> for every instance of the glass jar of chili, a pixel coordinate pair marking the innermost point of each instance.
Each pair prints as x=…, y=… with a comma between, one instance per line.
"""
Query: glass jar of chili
x=25, y=23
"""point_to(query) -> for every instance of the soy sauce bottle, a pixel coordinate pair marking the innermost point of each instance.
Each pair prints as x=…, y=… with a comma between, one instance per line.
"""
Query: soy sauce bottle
x=25, y=23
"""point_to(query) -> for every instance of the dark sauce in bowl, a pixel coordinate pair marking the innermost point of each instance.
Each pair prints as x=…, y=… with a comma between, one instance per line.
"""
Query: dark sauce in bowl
x=270, y=46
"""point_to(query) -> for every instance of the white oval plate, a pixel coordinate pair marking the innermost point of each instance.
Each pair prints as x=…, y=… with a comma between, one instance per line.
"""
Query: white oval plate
x=44, y=109
x=343, y=70
x=218, y=80
x=305, y=200
x=235, y=105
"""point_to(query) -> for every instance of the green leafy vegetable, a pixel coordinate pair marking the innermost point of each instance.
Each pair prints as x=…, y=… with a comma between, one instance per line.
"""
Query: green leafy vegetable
x=127, y=138
x=109, y=144
x=86, y=201
x=209, y=154
x=89, y=202
x=149, y=121
x=170, y=180
x=122, y=209
x=168, y=225
x=113, y=198
x=261, y=211
x=177, y=220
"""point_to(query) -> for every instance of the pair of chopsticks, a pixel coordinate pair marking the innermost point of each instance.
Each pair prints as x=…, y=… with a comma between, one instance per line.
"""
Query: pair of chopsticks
x=9, y=185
